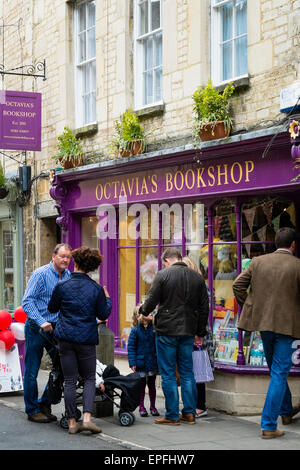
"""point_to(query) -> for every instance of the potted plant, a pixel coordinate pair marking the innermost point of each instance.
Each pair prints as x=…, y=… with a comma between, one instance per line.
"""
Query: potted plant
x=212, y=113
x=3, y=184
x=69, y=149
x=129, y=138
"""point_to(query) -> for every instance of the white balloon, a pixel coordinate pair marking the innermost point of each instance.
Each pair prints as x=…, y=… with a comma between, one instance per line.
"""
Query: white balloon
x=18, y=329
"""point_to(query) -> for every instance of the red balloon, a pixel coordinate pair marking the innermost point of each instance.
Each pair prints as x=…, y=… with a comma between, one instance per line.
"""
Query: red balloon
x=5, y=319
x=8, y=338
x=20, y=315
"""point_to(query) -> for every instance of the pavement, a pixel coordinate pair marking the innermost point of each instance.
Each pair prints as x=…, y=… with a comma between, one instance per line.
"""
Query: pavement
x=216, y=431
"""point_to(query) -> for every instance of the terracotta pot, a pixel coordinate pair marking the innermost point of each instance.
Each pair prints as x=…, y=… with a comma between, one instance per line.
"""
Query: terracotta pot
x=135, y=148
x=73, y=163
x=213, y=130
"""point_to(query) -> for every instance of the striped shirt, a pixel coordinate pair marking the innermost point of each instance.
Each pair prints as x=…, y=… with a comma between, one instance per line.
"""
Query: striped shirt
x=38, y=293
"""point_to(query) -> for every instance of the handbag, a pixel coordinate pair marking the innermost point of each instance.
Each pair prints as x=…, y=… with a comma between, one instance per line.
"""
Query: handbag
x=201, y=366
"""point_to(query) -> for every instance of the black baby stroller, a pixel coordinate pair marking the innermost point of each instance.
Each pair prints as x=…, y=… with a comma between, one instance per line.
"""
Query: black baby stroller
x=122, y=391
x=124, y=388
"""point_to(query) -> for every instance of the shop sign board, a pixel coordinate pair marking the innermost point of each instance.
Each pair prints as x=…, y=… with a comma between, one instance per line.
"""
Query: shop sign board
x=10, y=370
x=20, y=120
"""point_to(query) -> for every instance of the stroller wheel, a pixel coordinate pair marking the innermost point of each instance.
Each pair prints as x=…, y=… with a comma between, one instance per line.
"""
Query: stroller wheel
x=126, y=418
x=64, y=422
x=78, y=414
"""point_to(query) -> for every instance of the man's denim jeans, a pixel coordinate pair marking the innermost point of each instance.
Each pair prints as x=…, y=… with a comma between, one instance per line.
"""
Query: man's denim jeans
x=172, y=350
x=278, y=352
x=34, y=347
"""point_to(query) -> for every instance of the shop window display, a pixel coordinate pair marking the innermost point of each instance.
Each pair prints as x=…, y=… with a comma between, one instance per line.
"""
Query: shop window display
x=207, y=236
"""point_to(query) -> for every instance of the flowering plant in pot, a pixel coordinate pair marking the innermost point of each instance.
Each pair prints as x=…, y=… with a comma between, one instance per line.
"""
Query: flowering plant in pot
x=212, y=112
x=69, y=149
x=129, y=138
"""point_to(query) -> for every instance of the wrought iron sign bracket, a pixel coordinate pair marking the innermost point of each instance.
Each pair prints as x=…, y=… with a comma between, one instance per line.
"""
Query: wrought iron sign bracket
x=37, y=70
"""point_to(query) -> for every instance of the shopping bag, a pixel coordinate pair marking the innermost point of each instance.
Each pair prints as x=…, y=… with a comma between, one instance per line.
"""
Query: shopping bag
x=201, y=366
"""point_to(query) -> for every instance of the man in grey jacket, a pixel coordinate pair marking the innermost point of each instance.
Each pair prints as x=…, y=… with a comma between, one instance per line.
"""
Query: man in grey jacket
x=181, y=319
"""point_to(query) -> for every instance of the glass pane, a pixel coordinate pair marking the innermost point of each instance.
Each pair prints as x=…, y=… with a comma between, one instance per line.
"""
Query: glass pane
x=149, y=227
x=241, y=60
x=224, y=222
x=155, y=14
x=127, y=233
x=148, y=54
x=148, y=269
x=89, y=238
x=241, y=17
x=158, y=84
x=87, y=109
x=148, y=87
x=158, y=49
x=91, y=38
x=91, y=14
x=255, y=350
x=195, y=223
x=143, y=12
x=86, y=85
x=225, y=307
x=8, y=267
x=227, y=61
x=172, y=226
x=81, y=48
x=127, y=291
x=199, y=254
x=93, y=76
x=81, y=18
x=227, y=30
x=261, y=218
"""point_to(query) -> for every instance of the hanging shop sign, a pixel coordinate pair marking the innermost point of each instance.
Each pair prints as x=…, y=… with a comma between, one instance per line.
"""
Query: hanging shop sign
x=20, y=120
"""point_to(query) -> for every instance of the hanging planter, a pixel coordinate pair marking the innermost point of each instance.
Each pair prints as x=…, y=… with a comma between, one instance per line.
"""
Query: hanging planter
x=213, y=130
x=129, y=139
x=69, y=153
x=212, y=114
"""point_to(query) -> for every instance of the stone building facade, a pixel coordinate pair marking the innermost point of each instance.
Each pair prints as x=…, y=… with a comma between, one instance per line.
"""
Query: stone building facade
x=188, y=55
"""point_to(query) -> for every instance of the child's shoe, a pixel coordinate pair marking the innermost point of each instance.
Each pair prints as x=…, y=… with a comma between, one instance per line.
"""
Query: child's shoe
x=154, y=411
x=143, y=412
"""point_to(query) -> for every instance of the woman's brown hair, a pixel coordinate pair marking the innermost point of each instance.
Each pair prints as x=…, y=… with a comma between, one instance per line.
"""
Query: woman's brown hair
x=86, y=259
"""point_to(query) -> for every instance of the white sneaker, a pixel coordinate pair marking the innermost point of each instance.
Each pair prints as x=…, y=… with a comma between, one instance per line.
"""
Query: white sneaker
x=200, y=415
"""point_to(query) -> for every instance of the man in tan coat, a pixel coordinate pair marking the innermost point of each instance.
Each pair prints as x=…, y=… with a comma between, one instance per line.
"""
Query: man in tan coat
x=272, y=307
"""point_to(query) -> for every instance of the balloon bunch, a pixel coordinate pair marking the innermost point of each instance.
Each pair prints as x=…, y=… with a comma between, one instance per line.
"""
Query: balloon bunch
x=11, y=331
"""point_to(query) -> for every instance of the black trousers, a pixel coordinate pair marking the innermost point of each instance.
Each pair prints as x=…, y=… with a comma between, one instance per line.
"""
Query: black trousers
x=78, y=359
x=201, y=396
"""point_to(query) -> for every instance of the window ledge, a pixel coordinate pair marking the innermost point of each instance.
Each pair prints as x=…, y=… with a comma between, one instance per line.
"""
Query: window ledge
x=86, y=131
x=151, y=111
x=238, y=83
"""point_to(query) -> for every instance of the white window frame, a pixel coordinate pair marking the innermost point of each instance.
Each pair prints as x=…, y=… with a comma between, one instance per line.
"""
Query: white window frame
x=138, y=60
x=79, y=73
x=216, y=43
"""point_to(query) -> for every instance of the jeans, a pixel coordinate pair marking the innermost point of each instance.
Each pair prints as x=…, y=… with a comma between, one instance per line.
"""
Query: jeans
x=77, y=359
x=172, y=350
x=34, y=349
x=278, y=352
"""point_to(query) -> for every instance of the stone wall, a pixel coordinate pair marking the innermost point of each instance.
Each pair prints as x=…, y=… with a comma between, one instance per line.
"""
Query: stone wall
x=43, y=29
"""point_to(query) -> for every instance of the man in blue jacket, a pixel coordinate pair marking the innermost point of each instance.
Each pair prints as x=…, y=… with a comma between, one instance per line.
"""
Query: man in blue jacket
x=181, y=319
x=35, y=303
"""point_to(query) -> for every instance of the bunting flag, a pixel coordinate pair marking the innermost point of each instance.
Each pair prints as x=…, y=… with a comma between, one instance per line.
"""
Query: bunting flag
x=250, y=214
x=248, y=246
x=268, y=208
x=261, y=233
x=217, y=220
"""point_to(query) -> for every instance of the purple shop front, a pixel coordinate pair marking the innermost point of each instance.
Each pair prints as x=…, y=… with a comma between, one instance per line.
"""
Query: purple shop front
x=238, y=200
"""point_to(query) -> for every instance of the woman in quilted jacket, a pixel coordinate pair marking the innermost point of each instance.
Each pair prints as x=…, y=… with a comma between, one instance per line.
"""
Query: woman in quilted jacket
x=80, y=301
